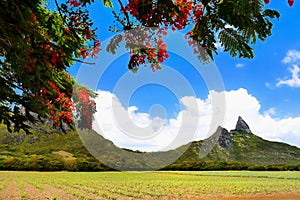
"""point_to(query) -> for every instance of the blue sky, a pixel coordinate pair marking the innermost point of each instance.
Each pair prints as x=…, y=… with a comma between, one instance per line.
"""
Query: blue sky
x=259, y=75
x=265, y=84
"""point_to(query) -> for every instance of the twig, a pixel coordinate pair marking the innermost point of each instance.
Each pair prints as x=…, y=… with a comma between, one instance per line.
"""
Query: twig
x=62, y=17
x=89, y=63
x=125, y=13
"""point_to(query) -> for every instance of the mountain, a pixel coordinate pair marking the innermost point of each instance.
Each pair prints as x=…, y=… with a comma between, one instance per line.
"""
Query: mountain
x=53, y=150
x=45, y=150
x=243, y=147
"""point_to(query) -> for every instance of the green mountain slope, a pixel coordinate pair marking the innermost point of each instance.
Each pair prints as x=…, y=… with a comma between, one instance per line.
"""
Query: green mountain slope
x=237, y=149
x=45, y=150
x=242, y=147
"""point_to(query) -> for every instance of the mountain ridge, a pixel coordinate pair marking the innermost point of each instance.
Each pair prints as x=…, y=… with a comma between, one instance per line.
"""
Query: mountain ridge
x=235, y=149
x=241, y=145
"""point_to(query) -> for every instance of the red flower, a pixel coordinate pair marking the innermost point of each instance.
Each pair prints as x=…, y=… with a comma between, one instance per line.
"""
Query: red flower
x=267, y=1
x=84, y=96
x=96, y=49
x=83, y=53
x=56, y=118
x=61, y=95
x=68, y=117
x=33, y=16
x=53, y=86
x=74, y=3
x=44, y=92
x=88, y=34
x=160, y=59
x=291, y=2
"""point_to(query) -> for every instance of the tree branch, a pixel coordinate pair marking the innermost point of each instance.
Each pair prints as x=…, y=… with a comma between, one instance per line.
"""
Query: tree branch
x=77, y=60
x=125, y=13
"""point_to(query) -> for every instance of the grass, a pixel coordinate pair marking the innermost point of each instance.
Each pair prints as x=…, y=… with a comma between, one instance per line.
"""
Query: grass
x=112, y=185
x=253, y=174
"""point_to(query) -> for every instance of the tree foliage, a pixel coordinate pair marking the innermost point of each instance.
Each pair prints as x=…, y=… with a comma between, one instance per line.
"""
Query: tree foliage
x=37, y=45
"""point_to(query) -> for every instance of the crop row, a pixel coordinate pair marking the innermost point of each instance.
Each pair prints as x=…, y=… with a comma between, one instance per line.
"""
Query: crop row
x=112, y=185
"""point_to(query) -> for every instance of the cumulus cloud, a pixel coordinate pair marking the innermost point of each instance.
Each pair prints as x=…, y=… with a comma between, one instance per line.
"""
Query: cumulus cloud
x=292, y=56
x=294, y=81
x=269, y=112
x=129, y=128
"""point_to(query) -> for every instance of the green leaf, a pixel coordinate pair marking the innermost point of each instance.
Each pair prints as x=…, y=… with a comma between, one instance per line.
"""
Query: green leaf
x=271, y=13
x=107, y=3
x=235, y=43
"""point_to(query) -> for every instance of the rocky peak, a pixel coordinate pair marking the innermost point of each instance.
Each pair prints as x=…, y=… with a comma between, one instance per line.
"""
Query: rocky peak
x=225, y=139
x=241, y=125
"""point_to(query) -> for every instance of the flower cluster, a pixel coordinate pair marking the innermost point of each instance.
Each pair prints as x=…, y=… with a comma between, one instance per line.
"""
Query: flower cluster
x=143, y=50
x=85, y=106
x=162, y=54
x=52, y=92
x=61, y=108
x=74, y=3
x=165, y=16
x=180, y=21
x=96, y=49
x=198, y=47
x=79, y=22
x=132, y=7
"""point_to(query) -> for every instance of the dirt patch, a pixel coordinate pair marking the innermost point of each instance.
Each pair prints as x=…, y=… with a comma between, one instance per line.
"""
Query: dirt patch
x=49, y=192
x=59, y=193
x=81, y=193
x=275, y=196
x=11, y=191
x=31, y=192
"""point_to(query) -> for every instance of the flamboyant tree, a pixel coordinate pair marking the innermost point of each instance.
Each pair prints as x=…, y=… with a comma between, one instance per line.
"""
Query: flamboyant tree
x=37, y=46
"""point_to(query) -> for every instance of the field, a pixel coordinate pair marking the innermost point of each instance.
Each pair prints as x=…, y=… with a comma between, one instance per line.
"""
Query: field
x=150, y=185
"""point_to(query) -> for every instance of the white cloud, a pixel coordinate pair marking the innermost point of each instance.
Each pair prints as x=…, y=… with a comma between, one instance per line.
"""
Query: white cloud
x=292, y=56
x=294, y=81
x=268, y=85
x=129, y=128
x=269, y=112
x=239, y=65
x=219, y=46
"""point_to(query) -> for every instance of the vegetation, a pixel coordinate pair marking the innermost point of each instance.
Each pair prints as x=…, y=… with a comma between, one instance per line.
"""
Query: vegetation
x=56, y=151
x=246, y=151
x=114, y=185
x=36, y=48
x=53, y=151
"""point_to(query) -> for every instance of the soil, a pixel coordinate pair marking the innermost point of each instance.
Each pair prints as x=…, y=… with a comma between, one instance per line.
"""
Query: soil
x=275, y=196
x=10, y=192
